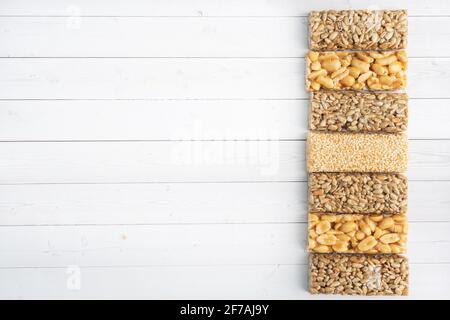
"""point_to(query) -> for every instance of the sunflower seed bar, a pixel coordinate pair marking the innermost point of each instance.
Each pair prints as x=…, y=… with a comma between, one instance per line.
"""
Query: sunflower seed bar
x=366, y=193
x=358, y=112
x=357, y=233
x=357, y=274
x=356, y=152
x=358, y=30
x=344, y=70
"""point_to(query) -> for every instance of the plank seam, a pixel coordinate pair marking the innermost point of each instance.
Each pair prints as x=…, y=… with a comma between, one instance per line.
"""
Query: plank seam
x=189, y=266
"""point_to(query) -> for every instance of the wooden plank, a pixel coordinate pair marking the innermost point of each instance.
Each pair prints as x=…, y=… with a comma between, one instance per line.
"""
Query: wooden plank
x=208, y=244
x=185, y=37
x=35, y=120
x=199, y=8
x=187, y=161
x=185, y=203
x=199, y=282
x=240, y=78
x=156, y=120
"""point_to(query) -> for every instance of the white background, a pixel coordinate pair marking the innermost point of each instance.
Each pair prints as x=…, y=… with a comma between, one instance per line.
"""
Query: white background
x=155, y=148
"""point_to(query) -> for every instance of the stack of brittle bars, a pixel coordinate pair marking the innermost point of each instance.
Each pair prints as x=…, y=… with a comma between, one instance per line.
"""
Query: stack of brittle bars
x=357, y=152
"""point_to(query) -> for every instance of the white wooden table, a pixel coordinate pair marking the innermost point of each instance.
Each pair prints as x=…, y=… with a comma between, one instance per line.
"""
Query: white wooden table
x=155, y=148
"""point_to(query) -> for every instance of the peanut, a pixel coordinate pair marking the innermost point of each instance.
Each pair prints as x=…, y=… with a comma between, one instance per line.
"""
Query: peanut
x=330, y=218
x=325, y=81
x=395, y=248
x=385, y=61
x=360, y=235
x=315, y=86
x=367, y=244
x=383, y=248
x=331, y=65
x=338, y=72
x=317, y=73
x=327, y=239
x=360, y=65
x=328, y=56
x=386, y=80
x=372, y=225
x=401, y=55
x=378, y=233
x=364, y=57
x=395, y=67
x=365, y=228
x=364, y=77
x=386, y=223
x=340, y=246
x=390, y=238
x=377, y=68
x=348, y=81
x=313, y=56
x=323, y=227
x=348, y=226
x=376, y=218
x=354, y=72
x=340, y=76
x=343, y=237
x=315, y=66
x=322, y=249
x=376, y=55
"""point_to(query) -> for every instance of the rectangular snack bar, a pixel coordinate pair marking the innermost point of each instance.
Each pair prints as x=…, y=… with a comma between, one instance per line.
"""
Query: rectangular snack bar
x=344, y=70
x=366, y=193
x=358, y=112
x=357, y=152
x=358, y=30
x=357, y=274
x=357, y=233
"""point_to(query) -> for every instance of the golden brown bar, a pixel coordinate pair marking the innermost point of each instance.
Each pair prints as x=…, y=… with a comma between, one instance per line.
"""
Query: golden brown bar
x=357, y=233
x=358, y=30
x=366, y=193
x=356, y=152
x=356, y=274
x=344, y=70
x=358, y=112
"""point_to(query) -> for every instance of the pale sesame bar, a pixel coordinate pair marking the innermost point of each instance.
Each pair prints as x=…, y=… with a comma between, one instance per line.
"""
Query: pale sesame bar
x=358, y=30
x=358, y=274
x=345, y=70
x=357, y=233
x=366, y=193
x=358, y=111
x=356, y=152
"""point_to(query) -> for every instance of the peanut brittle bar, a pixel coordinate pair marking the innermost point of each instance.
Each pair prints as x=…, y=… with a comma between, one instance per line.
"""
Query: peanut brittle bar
x=344, y=70
x=357, y=233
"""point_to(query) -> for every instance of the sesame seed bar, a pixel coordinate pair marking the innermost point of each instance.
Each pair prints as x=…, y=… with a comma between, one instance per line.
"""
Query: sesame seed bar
x=357, y=233
x=358, y=112
x=358, y=30
x=364, y=193
x=358, y=274
x=345, y=70
x=356, y=152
